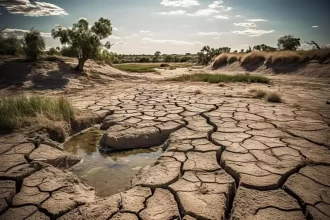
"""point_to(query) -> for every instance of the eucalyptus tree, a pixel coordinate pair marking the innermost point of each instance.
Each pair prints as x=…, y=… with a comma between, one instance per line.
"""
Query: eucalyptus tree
x=85, y=41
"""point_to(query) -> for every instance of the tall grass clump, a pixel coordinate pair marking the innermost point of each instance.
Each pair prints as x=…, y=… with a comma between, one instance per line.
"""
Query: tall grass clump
x=284, y=58
x=18, y=111
x=232, y=58
x=220, y=60
x=321, y=56
x=253, y=58
x=217, y=78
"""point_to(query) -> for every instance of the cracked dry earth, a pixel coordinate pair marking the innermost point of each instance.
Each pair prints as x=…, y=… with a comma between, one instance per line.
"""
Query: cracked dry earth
x=225, y=157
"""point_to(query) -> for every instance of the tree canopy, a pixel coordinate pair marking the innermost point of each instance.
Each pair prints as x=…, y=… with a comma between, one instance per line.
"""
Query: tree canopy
x=288, y=42
x=264, y=47
x=85, y=41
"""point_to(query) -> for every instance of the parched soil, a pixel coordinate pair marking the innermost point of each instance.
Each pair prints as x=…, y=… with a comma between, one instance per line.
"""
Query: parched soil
x=226, y=154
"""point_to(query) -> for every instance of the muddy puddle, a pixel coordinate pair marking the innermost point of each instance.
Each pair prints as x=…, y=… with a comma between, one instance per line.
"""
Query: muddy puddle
x=109, y=173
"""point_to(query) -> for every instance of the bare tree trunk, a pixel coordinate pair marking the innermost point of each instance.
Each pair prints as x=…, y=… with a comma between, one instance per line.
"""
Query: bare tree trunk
x=315, y=44
x=80, y=66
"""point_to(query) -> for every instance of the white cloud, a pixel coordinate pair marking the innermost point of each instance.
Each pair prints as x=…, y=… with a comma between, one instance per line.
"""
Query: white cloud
x=204, y=12
x=221, y=17
x=212, y=33
x=216, y=38
x=114, y=37
x=128, y=37
x=176, y=42
x=33, y=9
x=178, y=12
x=135, y=35
x=315, y=26
x=256, y=20
x=179, y=3
x=253, y=32
x=144, y=32
x=185, y=26
x=114, y=28
x=246, y=25
x=216, y=4
x=20, y=32
x=238, y=16
x=227, y=9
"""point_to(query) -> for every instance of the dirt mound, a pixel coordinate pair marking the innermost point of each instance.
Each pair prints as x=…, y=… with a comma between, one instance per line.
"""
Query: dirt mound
x=54, y=72
x=312, y=69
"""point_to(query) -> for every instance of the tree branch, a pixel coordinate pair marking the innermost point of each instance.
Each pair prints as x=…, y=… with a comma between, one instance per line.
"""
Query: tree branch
x=313, y=43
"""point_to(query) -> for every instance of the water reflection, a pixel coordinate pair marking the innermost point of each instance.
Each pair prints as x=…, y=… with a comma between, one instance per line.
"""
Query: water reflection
x=109, y=173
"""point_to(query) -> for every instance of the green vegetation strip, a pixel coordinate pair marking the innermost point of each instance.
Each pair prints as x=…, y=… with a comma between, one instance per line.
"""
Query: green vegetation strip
x=15, y=111
x=138, y=68
x=217, y=78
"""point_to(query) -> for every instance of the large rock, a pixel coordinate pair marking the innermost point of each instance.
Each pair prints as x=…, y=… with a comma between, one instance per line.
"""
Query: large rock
x=125, y=136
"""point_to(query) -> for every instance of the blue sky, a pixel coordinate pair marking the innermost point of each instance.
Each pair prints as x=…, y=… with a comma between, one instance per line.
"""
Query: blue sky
x=177, y=26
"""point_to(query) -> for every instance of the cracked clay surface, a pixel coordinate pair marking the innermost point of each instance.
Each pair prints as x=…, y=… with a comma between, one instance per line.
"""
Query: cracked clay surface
x=226, y=156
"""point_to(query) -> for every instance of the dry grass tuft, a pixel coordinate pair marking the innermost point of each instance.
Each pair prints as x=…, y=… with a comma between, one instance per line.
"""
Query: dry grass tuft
x=198, y=91
x=273, y=97
x=258, y=93
x=232, y=58
x=321, y=56
x=220, y=60
x=284, y=58
x=253, y=58
x=273, y=58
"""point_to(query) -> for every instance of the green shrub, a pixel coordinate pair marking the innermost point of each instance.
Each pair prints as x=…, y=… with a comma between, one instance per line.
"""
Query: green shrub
x=10, y=46
x=34, y=44
x=137, y=68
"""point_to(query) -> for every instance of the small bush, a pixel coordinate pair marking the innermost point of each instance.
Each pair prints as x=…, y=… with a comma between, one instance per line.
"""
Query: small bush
x=198, y=91
x=10, y=46
x=273, y=97
x=17, y=111
x=34, y=44
x=164, y=65
x=217, y=78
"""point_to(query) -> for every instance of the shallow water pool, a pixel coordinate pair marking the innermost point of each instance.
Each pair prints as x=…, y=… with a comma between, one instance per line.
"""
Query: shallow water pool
x=109, y=173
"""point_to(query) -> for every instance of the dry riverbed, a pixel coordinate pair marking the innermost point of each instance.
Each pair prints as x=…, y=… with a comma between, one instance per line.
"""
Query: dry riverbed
x=226, y=155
